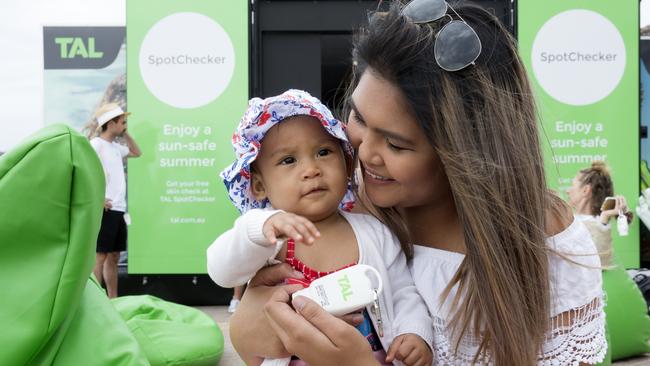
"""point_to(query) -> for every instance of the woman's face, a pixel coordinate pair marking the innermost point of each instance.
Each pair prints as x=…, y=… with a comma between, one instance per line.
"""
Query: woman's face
x=578, y=192
x=400, y=168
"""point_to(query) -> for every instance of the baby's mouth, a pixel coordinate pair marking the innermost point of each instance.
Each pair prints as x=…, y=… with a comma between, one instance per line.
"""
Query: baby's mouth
x=315, y=190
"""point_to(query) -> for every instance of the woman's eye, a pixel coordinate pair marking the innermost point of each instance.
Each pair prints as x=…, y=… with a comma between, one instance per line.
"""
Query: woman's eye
x=324, y=152
x=393, y=146
x=288, y=160
x=356, y=119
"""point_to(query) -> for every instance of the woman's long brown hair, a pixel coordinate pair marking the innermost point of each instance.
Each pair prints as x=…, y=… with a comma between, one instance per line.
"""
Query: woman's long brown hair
x=482, y=122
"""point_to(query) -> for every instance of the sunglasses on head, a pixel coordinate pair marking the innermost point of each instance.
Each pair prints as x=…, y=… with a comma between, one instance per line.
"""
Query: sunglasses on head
x=457, y=45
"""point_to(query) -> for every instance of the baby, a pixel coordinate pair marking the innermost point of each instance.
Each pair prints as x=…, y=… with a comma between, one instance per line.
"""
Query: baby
x=291, y=182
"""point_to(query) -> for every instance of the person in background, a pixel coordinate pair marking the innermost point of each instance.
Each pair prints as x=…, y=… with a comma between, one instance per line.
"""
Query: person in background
x=587, y=196
x=111, y=120
x=238, y=292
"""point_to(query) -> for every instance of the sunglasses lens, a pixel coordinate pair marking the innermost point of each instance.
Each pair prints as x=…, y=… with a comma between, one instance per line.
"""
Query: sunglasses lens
x=457, y=46
x=423, y=11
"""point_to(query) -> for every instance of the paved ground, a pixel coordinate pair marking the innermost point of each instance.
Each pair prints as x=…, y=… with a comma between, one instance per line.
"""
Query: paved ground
x=220, y=315
x=230, y=357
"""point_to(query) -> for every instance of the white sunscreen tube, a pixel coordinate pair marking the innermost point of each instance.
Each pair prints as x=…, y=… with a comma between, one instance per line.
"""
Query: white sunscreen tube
x=345, y=291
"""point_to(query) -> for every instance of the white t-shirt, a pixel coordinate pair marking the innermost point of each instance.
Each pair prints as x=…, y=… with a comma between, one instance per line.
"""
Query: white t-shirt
x=111, y=155
x=576, y=289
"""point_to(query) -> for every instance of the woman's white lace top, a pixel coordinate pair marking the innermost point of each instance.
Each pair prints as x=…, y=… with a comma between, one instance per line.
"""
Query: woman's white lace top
x=577, y=332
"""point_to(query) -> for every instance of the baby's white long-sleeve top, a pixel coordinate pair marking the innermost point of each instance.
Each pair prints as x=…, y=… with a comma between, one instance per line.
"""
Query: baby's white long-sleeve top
x=236, y=255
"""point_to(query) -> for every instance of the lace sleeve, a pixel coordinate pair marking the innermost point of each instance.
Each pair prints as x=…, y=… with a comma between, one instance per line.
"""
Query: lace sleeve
x=576, y=336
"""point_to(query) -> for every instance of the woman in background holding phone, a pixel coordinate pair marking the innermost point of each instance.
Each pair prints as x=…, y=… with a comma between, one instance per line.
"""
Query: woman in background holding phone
x=592, y=197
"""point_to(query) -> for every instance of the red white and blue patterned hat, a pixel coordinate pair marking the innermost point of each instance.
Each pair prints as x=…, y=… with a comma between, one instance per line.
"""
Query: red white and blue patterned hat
x=260, y=116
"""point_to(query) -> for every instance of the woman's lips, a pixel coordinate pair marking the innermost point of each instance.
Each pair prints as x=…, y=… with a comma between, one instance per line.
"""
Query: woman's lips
x=373, y=176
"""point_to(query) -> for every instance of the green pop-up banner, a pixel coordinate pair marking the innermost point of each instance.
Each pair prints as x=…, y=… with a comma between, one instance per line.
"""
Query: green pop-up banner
x=187, y=64
x=583, y=60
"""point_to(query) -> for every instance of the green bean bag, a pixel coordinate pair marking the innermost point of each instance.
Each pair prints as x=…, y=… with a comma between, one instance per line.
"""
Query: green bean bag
x=51, y=199
x=94, y=335
x=628, y=323
x=171, y=334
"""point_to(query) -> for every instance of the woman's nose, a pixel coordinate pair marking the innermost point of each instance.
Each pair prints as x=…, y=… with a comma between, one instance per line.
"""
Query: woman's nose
x=368, y=153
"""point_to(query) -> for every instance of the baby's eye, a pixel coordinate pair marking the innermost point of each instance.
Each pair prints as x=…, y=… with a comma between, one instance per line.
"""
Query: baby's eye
x=287, y=160
x=324, y=152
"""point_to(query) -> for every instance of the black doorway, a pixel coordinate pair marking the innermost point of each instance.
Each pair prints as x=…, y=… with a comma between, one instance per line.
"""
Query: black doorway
x=307, y=44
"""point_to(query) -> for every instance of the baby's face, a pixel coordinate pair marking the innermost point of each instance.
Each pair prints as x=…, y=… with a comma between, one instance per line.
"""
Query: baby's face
x=301, y=169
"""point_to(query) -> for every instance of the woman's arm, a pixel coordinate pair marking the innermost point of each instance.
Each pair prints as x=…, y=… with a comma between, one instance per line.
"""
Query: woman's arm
x=620, y=207
x=250, y=332
x=314, y=335
x=558, y=217
x=577, y=325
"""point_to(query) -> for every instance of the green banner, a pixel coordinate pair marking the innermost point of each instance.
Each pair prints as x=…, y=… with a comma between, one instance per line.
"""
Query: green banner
x=582, y=57
x=187, y=64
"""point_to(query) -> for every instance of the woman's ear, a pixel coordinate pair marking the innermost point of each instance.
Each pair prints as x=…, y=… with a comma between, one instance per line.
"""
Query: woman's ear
x=257, y=186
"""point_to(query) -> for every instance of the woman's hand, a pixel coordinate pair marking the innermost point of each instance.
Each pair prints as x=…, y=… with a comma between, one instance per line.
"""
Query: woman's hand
x=250, y=332
x=314, y=335
x=619, y=207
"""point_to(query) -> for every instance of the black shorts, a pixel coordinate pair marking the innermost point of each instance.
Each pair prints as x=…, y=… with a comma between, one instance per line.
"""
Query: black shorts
x=112, y=234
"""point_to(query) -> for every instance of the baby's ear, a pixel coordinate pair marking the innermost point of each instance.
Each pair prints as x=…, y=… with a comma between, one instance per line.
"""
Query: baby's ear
x=257, y=186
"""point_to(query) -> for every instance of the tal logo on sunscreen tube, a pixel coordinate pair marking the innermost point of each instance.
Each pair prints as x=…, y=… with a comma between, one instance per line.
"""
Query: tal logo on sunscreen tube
x=346, y=288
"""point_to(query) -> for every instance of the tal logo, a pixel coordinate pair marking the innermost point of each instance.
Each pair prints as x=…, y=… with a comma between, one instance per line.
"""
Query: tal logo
x=72, y=47
x=346, y=288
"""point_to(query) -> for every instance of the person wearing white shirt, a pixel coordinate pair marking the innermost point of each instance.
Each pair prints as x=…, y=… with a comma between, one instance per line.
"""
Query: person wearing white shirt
x=111, y=119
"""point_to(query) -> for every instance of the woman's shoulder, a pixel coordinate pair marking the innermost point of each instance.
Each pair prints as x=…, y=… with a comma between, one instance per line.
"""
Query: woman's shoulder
x=565, y=233
x=559, y=216
x=574, y=268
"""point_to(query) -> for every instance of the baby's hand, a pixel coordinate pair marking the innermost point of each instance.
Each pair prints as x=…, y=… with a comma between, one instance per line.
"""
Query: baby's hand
x=410, y=349
x=284, y=224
